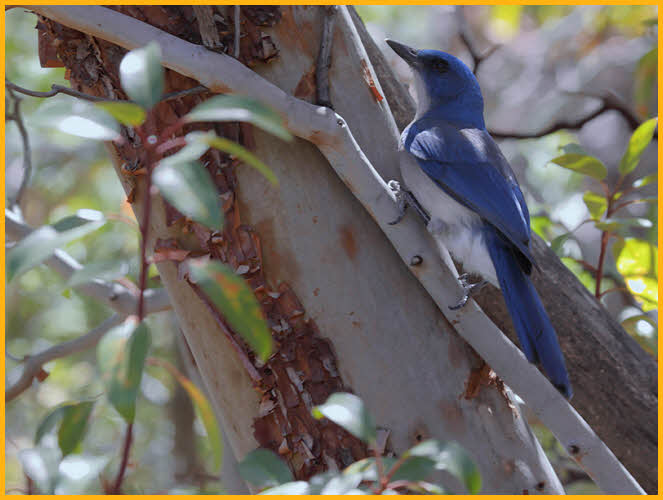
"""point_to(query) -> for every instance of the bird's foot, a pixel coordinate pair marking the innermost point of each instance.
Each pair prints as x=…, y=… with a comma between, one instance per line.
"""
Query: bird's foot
x=404, y=199
x=468, y=290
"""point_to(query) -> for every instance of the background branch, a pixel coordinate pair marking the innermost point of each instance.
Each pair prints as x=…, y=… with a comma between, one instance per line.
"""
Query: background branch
x=17, y=117
x=114, y=295
x=468, y=39
x=609, y=102
x=32, y=365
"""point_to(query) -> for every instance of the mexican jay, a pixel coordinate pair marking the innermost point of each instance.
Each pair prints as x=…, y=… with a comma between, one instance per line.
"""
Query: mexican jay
x=457, y=174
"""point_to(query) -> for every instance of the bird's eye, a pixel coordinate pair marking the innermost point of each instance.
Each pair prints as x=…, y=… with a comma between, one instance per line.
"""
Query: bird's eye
x=440, y=65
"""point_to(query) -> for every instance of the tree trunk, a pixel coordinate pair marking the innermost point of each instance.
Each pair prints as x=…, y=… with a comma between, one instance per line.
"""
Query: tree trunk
x=345, y=311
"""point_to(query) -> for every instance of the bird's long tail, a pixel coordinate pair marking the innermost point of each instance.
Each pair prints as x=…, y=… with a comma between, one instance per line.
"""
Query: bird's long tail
x=535, y=332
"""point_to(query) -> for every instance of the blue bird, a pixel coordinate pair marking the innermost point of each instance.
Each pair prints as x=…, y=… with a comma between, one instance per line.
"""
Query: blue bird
x=457, y=174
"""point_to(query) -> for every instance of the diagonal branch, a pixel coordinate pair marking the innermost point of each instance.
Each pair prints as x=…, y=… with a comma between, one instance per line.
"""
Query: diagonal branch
x=32, y=365
x=331, y=134
x=114, y=295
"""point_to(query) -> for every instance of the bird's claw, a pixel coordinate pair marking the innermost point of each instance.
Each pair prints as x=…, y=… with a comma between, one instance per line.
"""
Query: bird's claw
x=468, y=290
x=404, y=199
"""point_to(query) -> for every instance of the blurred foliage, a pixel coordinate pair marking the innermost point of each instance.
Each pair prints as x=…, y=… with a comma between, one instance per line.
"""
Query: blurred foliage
x=636, y=259
x=72, y=173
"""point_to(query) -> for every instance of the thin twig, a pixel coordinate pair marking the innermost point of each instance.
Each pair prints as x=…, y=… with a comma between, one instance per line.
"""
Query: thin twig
x=55, y=90
x=60, y=89
x=128, y=438
x=198, y=89
x=17, y=117
x=323, y=64
x=145, y=225
x=614, y=289
x=33, y=364
x=468, y=39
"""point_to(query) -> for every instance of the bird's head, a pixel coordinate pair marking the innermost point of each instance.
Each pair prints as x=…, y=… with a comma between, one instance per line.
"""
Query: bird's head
x=441, y=81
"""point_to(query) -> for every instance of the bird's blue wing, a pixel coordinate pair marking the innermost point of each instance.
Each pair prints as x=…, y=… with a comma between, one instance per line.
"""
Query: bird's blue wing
x=469, y=167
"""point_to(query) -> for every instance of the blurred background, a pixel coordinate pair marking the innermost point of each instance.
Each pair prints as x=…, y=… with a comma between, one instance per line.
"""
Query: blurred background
x=548, y=66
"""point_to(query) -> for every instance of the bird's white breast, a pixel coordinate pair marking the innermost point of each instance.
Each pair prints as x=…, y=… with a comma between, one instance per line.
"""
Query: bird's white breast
x=452, y=225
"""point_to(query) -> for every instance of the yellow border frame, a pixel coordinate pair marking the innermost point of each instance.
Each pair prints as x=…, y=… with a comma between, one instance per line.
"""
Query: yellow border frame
x=387, y=2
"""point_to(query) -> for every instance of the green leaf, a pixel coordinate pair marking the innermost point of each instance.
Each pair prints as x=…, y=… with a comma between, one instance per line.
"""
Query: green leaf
x=190, y=189
x=41, y=243
x=127, y=113
x=107, y=271
x=79, y=118
x=622, y=224
x=557, y=243
x=609, y=225
x=646, y=180
x=635, y=257
x=233, y=108
x=635, y=325
x=121, y=354
x=291, y=488
x=236, y=302
x=573, y=148
x=645, y=288
x=49, y=421
x=584, y=276
x=541, y=225
x=264, y=469
x=452, y=458
x=583, y=164
x=142, y=75
x=644, y=330
x=223, y=144
x=415, y=468
x=73, y=426
x=596, y=204
x=637, y=145
x=348, y=411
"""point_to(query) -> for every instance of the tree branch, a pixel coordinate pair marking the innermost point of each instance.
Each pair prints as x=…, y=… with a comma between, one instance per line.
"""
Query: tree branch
x=114, y=295
x=467, y=38
x=17, y=117
x=330, y=133
x=609, y=102
x=33, y=364
x=60, y=89
x=55, y=90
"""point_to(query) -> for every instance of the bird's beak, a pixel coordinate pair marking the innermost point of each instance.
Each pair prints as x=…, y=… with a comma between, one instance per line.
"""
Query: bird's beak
x=408, y=54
